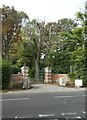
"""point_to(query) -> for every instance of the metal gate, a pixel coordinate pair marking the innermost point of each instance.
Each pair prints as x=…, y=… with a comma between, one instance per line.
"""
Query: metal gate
x=41, y=75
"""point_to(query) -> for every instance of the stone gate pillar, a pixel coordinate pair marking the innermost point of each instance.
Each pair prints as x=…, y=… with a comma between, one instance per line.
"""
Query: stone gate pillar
x=26, y=81
x=48, y=75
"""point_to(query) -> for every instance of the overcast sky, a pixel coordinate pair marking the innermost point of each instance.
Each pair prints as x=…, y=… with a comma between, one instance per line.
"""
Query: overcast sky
x=48, y=10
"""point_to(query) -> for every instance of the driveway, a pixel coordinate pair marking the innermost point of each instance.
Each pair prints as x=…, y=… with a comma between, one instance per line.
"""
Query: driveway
x=46, y=88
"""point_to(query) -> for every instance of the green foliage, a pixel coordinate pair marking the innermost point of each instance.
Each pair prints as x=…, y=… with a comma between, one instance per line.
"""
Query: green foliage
x=60, y=62
x=0, y=71
x=6, y=73
x=72, y=76
x=25, y=55
x=85, y=77
x=15, y=69
x=70, y=83
x=32, y=72
x=55, y=44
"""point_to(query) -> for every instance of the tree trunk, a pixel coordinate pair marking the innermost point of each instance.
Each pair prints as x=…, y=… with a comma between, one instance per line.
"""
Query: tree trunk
x=36, y=71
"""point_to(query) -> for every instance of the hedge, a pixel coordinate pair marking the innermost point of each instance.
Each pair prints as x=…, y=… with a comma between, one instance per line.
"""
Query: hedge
x=15, y=69
x=6, y=73
x=7, y=70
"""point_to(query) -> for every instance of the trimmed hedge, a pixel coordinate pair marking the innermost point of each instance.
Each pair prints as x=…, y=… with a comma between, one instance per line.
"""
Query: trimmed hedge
x=6, y=73
x=7, y=70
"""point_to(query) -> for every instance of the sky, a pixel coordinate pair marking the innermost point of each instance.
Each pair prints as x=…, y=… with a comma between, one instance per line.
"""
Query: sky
x=47, y=10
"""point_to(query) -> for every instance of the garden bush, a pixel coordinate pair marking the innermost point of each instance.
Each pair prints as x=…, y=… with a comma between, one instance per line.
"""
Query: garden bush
x=72, y=76
x=32, y=72
x=6, y=73
x=15, y=69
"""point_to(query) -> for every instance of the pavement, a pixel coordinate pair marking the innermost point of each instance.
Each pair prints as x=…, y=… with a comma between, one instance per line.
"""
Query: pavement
x=47, y=88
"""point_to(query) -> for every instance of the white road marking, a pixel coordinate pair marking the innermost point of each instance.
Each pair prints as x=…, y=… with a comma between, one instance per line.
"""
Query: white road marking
x=69, y=114
x=14, y=99
x=73, y=115
x=84, y=112
x=19, y=117
x=16, y=117
x=69, y=96
x=45, y=115
x=62, y=96
x=78, y=117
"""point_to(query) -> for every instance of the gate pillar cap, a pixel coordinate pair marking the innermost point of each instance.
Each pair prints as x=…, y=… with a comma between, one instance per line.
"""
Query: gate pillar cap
x=48, y=69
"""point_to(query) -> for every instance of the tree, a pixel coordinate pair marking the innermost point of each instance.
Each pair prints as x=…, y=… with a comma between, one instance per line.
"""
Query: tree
x=11, y=28
x=61, y=56
x=39, y=37
x=74, y=46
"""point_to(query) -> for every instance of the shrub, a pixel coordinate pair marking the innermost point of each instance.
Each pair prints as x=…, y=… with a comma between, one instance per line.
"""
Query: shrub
x=72, y=76
x=15, y=69
x=6, y=73
x=70, y=84
x=32, y=72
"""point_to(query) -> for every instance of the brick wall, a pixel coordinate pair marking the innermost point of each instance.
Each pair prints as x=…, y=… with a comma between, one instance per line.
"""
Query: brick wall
x=56, y=77
x=16, y=80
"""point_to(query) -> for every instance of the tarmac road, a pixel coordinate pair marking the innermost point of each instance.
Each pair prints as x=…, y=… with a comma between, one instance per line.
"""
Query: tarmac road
x=44, y=100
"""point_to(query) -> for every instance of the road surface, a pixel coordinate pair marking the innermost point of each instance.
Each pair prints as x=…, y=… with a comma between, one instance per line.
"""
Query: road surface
x=39, y=105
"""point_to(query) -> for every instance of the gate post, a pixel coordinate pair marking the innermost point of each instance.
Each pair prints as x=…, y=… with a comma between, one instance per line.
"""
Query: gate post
x=26, y=81
x=48, y=75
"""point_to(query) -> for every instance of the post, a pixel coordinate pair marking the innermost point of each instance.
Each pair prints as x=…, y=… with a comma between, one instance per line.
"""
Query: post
x=48, y=75
x=26, y=81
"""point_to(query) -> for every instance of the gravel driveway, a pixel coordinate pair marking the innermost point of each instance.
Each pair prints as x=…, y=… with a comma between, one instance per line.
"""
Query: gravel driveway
x=43, y=88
